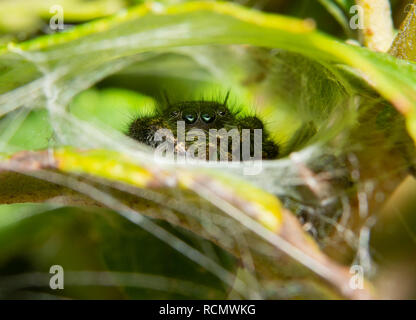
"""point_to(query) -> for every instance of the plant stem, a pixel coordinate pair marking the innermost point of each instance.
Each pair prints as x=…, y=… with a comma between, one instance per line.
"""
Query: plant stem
x=377, y=33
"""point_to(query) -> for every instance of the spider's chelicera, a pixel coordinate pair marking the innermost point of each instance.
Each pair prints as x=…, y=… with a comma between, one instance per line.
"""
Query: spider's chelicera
x=210, y=129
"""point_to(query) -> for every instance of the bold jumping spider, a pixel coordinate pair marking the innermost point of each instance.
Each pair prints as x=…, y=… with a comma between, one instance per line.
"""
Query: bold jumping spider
x=202, y=115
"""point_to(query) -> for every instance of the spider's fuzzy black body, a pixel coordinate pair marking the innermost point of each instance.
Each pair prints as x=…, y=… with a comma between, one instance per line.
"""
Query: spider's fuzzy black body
x=202, y=115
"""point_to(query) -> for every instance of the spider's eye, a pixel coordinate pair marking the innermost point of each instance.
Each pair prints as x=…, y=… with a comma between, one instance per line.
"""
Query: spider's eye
x=174, y=113
x=189, y=118
x=207, y=118
x=222, y=112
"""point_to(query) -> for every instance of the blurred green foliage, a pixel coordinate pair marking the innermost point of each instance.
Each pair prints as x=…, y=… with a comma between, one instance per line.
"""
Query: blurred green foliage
x=37, y=236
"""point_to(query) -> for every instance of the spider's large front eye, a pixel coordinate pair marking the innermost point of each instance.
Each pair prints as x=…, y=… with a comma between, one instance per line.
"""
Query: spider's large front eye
x=189, y=118
x=207, y=118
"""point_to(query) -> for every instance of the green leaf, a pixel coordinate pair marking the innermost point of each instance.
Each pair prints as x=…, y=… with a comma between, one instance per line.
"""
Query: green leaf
x=272, y=225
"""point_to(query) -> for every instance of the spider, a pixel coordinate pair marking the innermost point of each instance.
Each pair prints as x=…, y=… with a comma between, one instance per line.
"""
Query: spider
x=202, y=115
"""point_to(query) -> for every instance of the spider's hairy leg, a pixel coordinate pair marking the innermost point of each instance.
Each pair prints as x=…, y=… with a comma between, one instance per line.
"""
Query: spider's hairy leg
x=270, y=149
x=143, y=129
